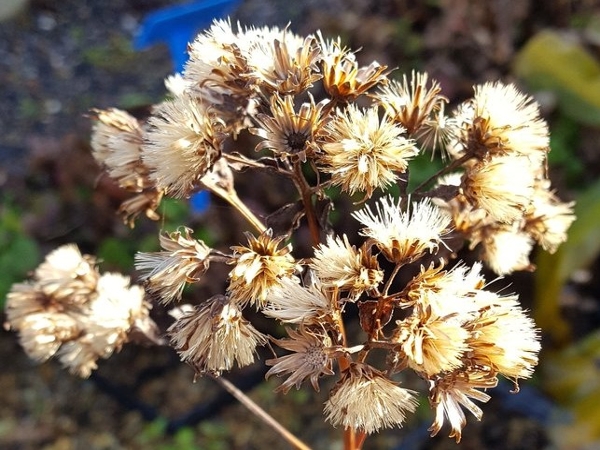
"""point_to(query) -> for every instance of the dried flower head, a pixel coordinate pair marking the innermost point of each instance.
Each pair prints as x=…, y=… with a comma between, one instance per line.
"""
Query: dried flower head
x=404, y=236
x=77, y=325
x=450, y=391
x=363, y=152
x=506, y=249
x=432, y=344
x=183, y=260
x=502, y=186
x=365, y=400
x=502, y=121
x=503, y=338
x=343, y=79
x=291, y=302
x=411, y=104
x=259, y=267
x=67, y=275
x=340, y=265
x=548, y=219
x=182, y=143
x=214, y=336
x=311, y=359
x=117, y=139
x=285, y=63
x=285, y=132
x=105, y=325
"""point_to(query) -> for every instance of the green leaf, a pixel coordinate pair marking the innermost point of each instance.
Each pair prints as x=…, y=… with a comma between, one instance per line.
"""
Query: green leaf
x=553, y=271
x=550, y=61
x=18, y=257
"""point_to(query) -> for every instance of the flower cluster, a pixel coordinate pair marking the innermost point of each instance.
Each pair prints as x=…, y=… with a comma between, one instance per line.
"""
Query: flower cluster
x=71, y=311
x=324, y=123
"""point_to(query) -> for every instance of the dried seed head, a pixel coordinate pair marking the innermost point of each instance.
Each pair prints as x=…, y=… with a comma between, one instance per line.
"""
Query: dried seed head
x=183, y=260
x=259, y=267
x=365, y=400
x=311, y=359
x=363, y=152
x=404, y=236
x=339, y=265
x=214, y=336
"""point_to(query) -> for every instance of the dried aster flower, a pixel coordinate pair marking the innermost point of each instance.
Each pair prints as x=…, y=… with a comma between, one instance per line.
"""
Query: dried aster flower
x=79, y=330
x=214, y=336
x=404, y=236
x=502, y=186
x=285, y=132
x=117, y=139
x=259, y=267
x=432, y=344
x=183, y=260
x=504, y=338
x=338, y=264
x=182, y=143
x=343, y=79
x=501, y=121
x=363, y=152
x=311, y=359
x=285, y=64
x=506, y=249
x=365, y=400
x=67, y=275
x=291, y=302
x=548, y=219
x=104, y=327
x=412, y=103
x=450, y=391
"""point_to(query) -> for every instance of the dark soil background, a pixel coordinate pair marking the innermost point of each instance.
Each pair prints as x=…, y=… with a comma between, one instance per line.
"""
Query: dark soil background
x=59, y=58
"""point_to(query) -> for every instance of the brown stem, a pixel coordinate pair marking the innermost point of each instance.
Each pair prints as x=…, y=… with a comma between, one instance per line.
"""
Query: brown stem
x=390, y=280
x=306, y=193
x=232, y=198
x=261, y=413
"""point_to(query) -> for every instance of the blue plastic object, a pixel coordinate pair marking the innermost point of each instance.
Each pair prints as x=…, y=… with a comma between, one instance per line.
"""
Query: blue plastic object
x=176, y=26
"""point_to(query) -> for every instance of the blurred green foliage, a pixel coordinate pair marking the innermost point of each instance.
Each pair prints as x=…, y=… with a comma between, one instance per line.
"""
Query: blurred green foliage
x=19, y=253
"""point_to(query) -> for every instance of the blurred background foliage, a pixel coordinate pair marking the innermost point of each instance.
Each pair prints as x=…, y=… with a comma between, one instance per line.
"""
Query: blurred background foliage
x=51, y=192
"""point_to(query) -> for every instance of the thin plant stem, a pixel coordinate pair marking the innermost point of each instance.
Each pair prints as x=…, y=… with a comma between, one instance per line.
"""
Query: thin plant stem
x=261, y=413
x=231, y=197
x=306, y=193
x=390, y=280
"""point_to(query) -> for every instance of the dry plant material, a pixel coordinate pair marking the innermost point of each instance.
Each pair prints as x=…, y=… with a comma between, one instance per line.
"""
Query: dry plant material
x=322, y=121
